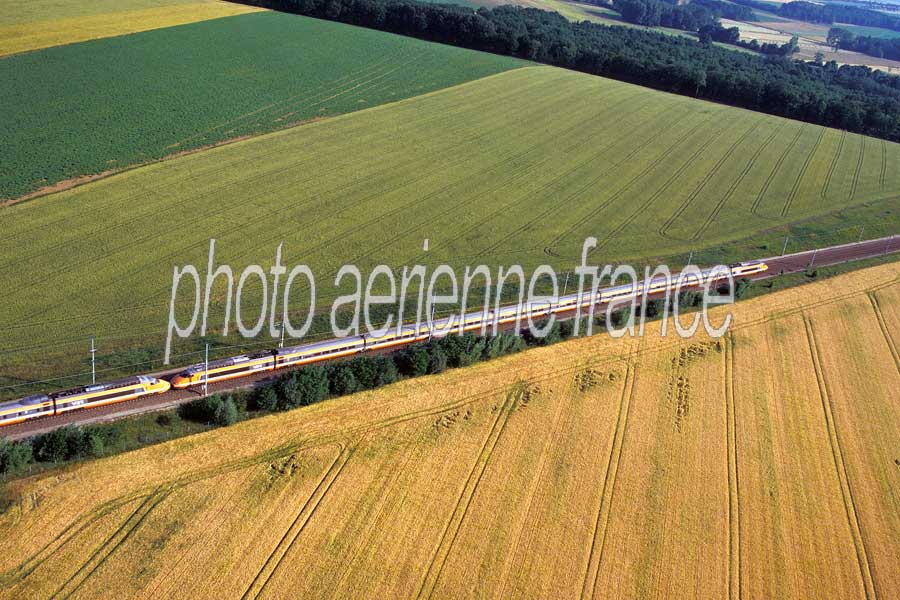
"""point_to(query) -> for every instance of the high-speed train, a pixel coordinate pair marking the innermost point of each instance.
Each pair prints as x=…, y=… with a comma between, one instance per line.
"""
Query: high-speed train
x=40, y=405
x=89, y=396
x=239, y=366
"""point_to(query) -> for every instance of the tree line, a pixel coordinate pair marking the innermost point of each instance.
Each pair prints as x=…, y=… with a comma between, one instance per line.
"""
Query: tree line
x=653, y=13
x=854, y=98
x=844, y=39
x=702, y=18
x=688, y=17
x=811, y=12
x=836, y=13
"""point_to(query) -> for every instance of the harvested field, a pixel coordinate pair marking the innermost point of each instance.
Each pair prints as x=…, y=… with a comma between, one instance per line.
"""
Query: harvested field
x=760, y=464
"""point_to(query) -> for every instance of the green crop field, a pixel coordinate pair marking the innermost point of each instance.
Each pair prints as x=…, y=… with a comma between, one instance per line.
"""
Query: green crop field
x=32, y=25
x=876, y=32
x=515, y=168
x=88, y=108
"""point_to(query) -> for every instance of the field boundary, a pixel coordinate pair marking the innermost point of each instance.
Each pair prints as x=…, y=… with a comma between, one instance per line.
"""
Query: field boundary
x=80, y=180
x=734, y=501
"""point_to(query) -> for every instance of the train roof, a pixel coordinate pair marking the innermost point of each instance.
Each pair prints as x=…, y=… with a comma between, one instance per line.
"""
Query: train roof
x=228, y=362
x=748, y=263
x=323, y=345
x=26, y=402
x=99, y=387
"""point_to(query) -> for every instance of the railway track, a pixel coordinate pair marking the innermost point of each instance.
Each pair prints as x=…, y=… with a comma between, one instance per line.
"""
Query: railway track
x=778, y=265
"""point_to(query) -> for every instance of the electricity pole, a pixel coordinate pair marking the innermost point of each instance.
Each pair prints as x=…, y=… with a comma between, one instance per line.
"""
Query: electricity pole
x=784, y=248
x=431, y=322
x=93, y=363
x=813, y=260
x=861, y=229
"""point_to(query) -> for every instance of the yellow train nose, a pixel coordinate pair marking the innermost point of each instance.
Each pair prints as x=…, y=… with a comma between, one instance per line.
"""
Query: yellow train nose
x=181, y=382
x=160, y=386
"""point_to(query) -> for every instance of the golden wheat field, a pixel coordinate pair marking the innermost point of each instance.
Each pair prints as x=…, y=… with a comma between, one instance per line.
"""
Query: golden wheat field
x=35, y=24
x=764, y=464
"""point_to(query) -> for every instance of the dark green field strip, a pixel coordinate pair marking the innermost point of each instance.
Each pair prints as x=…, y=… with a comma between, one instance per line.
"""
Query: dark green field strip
x=107, y=104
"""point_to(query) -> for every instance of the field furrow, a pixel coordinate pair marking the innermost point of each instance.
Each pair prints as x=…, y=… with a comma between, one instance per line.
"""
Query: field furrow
x=795, y=541
x=860, y=379
x=558, y=523
x=669, y=511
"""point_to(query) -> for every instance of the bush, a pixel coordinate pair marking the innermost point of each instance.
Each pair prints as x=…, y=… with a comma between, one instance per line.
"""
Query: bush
x=413, y=361
x=437, y=360
x=551, y=337
x=93, y=445
x=341, y=380
x=226, y=413
x=462, y=351
x=52, y=446
x=298, y=388
x=617, y=318
x=387, y=370
x=288, y=390
x=654, y=307
x=164, y=420
x=312, y=384
x=365, y=371
x=493, y=348
x=689, y=298
x=14, y=455
x=566, y=329
x=266, y=398
x=202, y=410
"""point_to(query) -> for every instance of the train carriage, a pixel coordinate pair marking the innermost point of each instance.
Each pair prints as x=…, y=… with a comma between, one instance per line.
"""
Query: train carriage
x=88, y=396
x=30, y=407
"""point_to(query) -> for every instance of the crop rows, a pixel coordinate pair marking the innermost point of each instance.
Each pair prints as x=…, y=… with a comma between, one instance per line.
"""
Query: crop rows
x=272, y=70
x=645, y=173
x=703, y=468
